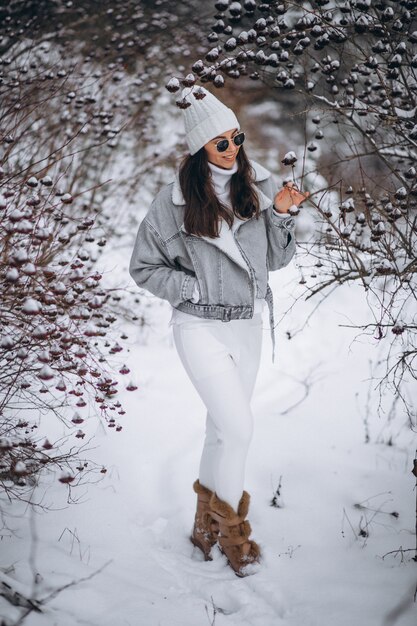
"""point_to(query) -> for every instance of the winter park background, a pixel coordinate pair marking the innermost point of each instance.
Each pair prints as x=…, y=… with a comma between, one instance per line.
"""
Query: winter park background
x=100, y=427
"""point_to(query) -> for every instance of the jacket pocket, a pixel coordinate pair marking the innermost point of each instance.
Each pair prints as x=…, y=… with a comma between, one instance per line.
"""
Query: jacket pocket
x=202, y=268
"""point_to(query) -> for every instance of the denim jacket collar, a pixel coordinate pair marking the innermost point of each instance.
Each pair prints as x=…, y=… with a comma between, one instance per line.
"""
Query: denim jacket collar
x=261, y=173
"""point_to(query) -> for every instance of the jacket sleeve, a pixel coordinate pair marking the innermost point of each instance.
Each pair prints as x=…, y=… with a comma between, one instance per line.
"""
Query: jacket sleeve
x=281, y=234
x=153, y=269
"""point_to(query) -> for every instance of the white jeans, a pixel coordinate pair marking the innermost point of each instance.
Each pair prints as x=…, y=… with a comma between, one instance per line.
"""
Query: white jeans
x=222, y=361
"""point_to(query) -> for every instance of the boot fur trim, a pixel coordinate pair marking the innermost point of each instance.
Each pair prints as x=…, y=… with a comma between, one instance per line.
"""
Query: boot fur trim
x=201, y=490
x=225, y=510
x=244, y=502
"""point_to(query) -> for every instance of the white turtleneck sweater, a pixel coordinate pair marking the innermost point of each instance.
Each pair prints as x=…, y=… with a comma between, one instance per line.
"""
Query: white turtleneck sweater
x=221, y=182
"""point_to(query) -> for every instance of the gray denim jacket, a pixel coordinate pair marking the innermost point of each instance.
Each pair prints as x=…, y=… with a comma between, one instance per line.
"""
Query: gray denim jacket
x=169, y=262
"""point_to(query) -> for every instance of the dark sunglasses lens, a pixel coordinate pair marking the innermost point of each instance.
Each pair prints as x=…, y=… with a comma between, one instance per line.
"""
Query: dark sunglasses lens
x=239, y=139
x=222, y=145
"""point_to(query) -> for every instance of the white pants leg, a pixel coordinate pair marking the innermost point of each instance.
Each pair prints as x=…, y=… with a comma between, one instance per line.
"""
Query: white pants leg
x=222, y=361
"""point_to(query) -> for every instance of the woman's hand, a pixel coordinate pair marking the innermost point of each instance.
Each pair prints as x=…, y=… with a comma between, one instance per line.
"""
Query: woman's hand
x=288, y=196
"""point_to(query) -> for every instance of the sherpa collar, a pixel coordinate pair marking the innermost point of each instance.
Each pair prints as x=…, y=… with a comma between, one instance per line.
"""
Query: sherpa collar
x=261, y=173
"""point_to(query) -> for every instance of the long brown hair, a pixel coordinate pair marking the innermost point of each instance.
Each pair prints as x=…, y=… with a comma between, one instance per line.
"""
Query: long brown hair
x=203, y=209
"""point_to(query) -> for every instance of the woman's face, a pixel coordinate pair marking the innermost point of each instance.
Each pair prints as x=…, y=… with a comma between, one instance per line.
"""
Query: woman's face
x=225, y=159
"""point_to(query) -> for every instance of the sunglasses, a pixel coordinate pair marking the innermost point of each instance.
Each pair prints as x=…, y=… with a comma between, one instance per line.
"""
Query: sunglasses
x=223, y=144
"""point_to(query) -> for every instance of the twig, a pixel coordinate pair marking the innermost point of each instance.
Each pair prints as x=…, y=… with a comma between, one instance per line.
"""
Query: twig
x=414, y=472
x=13, y=592
x=31, y=606
x=400, y=550
x=276, y=500
x=212, y=620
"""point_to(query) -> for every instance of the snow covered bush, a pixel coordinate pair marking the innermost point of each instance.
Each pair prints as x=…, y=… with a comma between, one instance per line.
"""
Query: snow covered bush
x=350, y=69
x=57, y=341
x=55, y=326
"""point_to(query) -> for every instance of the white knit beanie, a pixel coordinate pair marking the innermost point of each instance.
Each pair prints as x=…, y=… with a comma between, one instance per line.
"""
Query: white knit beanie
x=205, y=119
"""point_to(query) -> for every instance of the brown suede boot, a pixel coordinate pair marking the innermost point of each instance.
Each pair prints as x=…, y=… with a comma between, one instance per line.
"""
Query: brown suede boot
x=205, y=531
x=233, y=537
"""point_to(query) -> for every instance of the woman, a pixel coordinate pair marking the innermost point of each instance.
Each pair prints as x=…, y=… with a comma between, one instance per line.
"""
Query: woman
x=207, y=245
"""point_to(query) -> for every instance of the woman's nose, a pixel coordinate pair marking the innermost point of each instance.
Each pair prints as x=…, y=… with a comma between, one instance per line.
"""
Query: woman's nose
x=231, y=149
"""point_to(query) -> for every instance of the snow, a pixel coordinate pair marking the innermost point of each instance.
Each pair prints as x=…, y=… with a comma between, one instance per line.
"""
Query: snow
x=12, y=275
x=31, y=306
x=126, y=537
x=290, y=156
x=20, y=467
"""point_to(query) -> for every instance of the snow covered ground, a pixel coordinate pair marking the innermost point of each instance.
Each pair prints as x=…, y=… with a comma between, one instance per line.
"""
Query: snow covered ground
x=316, y=571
